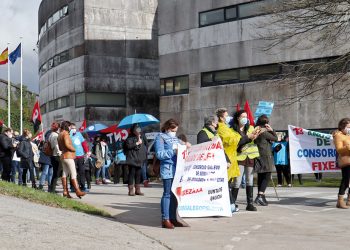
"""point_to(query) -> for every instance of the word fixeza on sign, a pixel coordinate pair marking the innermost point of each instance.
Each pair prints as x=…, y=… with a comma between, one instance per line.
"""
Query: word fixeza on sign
x=311, y=151
x=200, y=182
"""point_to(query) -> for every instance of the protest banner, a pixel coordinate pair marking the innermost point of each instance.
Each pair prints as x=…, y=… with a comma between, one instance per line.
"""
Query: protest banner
x=311, y=151
x=200, y=182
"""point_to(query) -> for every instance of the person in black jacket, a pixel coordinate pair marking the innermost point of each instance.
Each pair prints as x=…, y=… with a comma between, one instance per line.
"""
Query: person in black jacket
x=6, y=148
x=136, y=154
x=25, y=152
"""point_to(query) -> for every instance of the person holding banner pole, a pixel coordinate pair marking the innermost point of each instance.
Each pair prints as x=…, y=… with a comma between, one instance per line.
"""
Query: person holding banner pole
x=342, y=145
x=230, y=140
x=266, y=161
x=165, y=145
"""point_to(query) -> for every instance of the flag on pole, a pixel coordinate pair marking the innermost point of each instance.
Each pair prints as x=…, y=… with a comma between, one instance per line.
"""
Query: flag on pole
x=36, y=116
x=83, y=126
x=15, y=54
x=249, y=113
x=4, y=57
x=39, y=137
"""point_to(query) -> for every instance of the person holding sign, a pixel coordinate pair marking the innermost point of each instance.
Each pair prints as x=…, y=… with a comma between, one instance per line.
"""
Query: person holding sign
x=165, y=145
x=265, y=164
x=342, y=145
x=230, y=140
x=247, y=152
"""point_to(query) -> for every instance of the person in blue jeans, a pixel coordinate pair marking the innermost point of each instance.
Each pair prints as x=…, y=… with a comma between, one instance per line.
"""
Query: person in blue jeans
x=166, y=151
x=46, y=166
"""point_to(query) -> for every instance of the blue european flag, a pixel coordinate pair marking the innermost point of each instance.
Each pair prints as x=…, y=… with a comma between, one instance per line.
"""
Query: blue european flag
x=15, y=54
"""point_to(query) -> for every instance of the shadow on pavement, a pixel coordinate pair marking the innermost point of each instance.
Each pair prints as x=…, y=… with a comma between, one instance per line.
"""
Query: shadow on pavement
x=304, y=201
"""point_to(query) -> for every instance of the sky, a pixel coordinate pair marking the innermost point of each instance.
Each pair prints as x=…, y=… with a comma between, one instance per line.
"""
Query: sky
x=19, y=18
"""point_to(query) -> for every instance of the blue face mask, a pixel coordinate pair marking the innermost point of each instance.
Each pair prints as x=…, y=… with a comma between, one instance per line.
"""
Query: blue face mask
x=243, y=121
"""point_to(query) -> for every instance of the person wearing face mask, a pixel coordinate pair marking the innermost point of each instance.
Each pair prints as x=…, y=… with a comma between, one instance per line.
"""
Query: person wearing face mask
x=103, y=160
x=230, y=140
x=6, y=148
x=81, y=150
x=247, y=152
x=342, y=145
x=209, y=130
x=55, y=157
x=25, y=152
x=136, y=154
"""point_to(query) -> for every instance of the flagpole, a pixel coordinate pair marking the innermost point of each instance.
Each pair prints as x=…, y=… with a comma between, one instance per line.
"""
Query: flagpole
x=21, y=115
x=8, y=88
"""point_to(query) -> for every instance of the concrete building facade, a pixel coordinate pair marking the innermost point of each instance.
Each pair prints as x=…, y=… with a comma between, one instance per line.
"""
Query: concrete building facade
x=210, y=57
x=98, y=60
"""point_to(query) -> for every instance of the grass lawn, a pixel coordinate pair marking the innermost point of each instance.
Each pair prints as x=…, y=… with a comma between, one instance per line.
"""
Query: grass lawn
x=48, y=199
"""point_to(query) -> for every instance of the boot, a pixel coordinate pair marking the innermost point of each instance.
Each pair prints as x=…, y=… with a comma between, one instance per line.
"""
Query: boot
x=341, y=202
x=41, y=187
x=249, y=193
x=264, y=199
x=348, y=201
x=65, y=188
x=131, y=190
x=167, y=224
x=146, y=183
x=34, y=185
x=77, y=189
x=259, y=200
x=138, y=190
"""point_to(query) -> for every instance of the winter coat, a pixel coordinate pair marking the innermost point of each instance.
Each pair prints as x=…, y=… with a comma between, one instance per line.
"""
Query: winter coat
x=66, y=146
x=44, y=159
x=25, y=152
x=230, y=140
x=342, y=145
x=163, y=146
x=5, y=146
x=264, y=142
x=135, y=154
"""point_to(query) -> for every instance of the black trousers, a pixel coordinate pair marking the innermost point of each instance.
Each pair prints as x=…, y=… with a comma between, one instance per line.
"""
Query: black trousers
x=318, y=176
x=286, y=173
x=6, y=168
x=344, y=184
x=79, y=164
x=27, y=166
x=263, y=181
x=56, y=169
x=134, y=175
x=121, y=170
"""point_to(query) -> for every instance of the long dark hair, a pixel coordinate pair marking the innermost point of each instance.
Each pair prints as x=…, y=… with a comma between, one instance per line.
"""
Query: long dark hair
x=343, y=123
x=169, y=124
x=235, y=122
x=262, y=121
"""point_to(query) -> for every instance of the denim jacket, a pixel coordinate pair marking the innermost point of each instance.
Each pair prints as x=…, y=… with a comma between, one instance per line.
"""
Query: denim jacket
x=163, y=146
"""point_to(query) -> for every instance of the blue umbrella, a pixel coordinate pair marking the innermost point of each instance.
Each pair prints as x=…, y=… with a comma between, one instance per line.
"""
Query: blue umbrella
x=142, y=119
x=95, y=128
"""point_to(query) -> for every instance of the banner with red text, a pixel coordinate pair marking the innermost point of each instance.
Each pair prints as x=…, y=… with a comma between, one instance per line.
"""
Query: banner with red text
x=200, y=182
x=311, y=151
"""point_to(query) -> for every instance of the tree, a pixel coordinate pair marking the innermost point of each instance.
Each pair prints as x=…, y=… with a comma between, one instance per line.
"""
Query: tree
x=311, y=24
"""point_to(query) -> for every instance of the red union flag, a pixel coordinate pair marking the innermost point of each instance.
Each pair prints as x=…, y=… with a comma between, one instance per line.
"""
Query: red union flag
x=39, y=137
x=83, y=126
x=36, y=116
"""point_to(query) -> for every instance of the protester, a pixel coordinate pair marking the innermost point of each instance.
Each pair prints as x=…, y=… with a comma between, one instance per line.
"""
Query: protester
x=145, y=179
x=247, y=153
x=230, y=140
x=16, y=161
x=6, y=147
x=102, y=154
x=25, y=152
x=36, y=159
x=281, y=159
x=136, y=154
x=318, y=177
x=264, y=142
x=55, y=158
x=120, y=167
x=81, y=151
x=166, y=151
x=67, y=158
x=46, y=167
x=342, y=145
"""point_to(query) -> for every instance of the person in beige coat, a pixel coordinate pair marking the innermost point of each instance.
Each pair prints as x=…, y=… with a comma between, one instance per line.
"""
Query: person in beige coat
x=342, y=145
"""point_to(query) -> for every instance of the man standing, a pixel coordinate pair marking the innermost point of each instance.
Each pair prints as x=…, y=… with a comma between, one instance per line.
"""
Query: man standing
x=81, y=149
x=6, y=147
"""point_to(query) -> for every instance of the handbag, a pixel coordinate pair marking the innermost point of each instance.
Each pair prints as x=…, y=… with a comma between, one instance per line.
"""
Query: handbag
x=156, y=166
x=258, y=165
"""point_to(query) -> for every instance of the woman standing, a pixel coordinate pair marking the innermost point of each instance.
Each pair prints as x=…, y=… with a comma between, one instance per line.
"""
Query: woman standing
x=165, y=146
x=247, y=152
x=135, y=151
x=264, y=142
x=342, y=145
x=25, y=152
x=67, y=158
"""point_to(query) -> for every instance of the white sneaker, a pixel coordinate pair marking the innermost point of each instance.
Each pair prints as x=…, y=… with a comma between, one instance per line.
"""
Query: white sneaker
x=279, y=185
x=289, y=185
x=108, y=181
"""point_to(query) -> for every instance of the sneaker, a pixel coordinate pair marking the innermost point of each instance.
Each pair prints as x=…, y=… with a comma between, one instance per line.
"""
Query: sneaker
x=234, y=208
x=289, y=185
x=279, y=185
x=108, y=181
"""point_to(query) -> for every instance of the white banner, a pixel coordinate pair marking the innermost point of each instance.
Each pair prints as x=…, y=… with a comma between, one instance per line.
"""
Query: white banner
x=200, y=183
x=311, y=151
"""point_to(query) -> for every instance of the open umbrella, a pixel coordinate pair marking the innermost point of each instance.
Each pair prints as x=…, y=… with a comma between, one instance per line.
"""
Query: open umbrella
x=142, y=119
x=95, y=128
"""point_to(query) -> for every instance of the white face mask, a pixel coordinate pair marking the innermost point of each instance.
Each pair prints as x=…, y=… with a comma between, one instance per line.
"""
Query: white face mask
x=228, y=119
x=73, y=130
x=347, y=131
x=172, y=134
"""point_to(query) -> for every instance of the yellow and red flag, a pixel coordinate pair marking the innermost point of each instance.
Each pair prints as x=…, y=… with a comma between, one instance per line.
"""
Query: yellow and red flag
x=4, y=57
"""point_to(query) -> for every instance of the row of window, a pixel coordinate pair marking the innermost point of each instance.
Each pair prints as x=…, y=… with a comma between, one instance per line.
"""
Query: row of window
x=58, y=15
x=97, y=99
x=236, y=12
x=174, y=86
x=54, y=61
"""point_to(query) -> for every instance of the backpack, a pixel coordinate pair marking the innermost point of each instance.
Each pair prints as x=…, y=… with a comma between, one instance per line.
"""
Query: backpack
x=47, y=149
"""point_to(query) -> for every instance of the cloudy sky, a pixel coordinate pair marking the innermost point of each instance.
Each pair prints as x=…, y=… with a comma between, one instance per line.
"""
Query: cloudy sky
x=19, y=18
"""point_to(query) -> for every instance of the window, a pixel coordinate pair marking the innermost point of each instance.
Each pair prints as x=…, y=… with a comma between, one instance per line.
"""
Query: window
x=226, y=75
x=100, y=99
x=52, y=105
x=64, y=56
x=56, y=17
x=64, y=10
x=63, y=102
x=56, y=61
x=231, y=13
x=174, y=85
x=265, y=71
x=49, y=22
x=211, y=17
x=80, y=100
x=53, y=19
x=51, y=65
